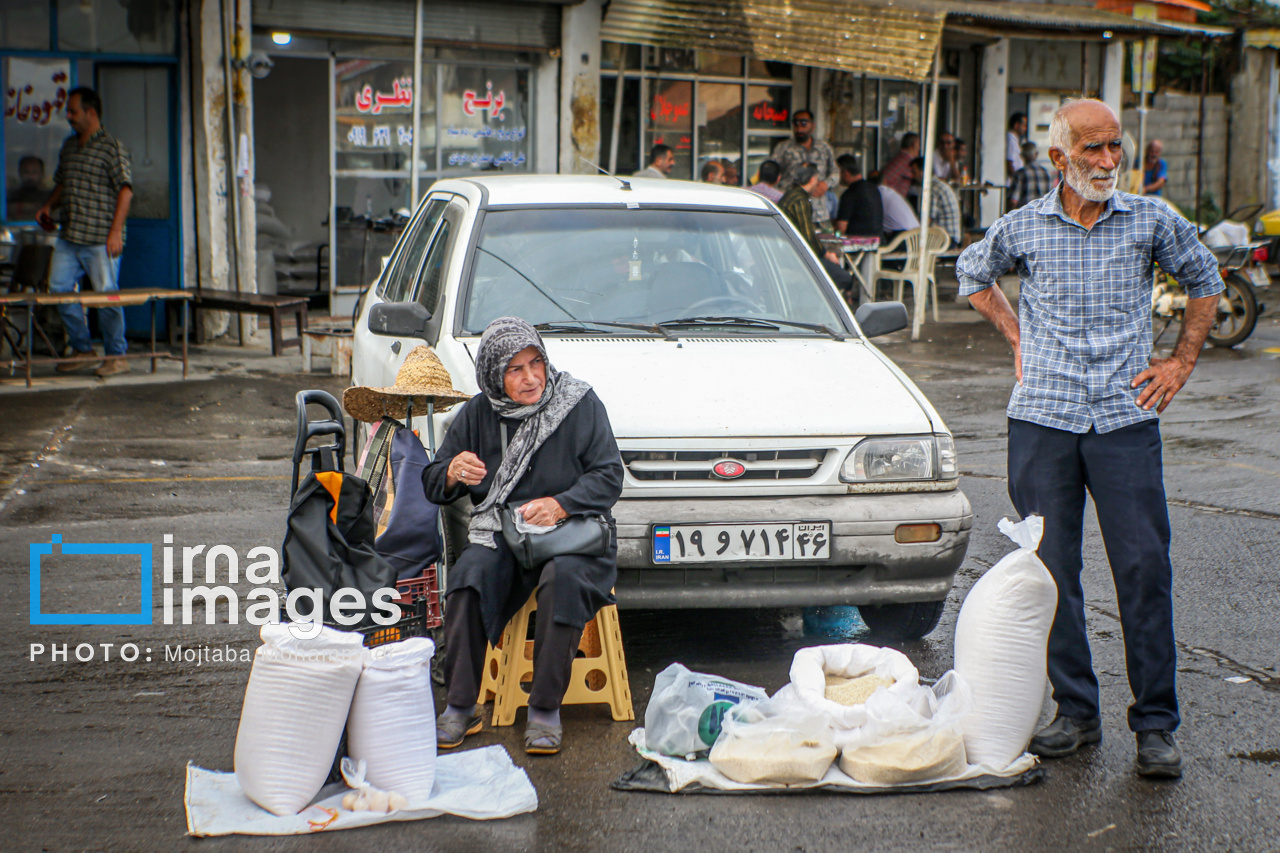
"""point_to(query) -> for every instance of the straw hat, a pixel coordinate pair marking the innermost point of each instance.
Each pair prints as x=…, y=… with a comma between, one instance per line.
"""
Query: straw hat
x=422, y=379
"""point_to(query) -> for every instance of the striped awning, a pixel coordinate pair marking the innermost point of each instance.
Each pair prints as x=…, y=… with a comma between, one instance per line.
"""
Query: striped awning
x=874, y=38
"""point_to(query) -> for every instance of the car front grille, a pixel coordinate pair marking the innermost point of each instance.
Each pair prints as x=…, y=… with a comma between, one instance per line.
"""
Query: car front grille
x=681, y=465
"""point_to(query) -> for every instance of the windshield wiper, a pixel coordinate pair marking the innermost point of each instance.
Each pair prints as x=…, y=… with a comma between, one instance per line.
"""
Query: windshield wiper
x=756, y=322
x=654, y=328
x=531, y=281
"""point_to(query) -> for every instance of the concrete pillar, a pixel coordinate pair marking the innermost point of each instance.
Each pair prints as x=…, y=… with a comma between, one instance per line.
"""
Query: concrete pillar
x=1251, y=115
x=1113, y=75
x=580, y=87
x=993, y=126
x=546, y=100
x=214, y=166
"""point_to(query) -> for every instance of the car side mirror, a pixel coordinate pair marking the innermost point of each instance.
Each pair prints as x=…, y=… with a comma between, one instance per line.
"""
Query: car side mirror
x=881, y=318
x=400, y=319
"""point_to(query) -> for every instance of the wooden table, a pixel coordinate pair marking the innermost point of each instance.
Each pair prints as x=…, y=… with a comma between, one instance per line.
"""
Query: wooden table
x=273, y=307
x=91, y=299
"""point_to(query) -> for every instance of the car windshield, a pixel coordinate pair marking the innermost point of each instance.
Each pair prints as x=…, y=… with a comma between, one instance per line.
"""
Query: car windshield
x=711, y=270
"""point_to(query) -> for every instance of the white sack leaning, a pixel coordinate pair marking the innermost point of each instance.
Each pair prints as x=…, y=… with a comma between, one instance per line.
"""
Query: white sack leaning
x=1001, y=640
x=295, y=706
x=811, y=666
x=393, y=720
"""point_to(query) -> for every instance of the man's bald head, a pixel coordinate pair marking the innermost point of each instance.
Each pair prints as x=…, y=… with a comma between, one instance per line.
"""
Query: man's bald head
x=1154, y=149
x=1078, y=116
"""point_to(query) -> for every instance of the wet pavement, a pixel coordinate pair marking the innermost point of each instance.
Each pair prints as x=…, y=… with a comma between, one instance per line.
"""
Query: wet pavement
x=92, y=754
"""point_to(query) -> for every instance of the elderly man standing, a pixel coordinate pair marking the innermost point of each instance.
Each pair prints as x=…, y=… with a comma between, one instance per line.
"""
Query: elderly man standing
x=1084, y=414
x=93, y=189
x=806, y=149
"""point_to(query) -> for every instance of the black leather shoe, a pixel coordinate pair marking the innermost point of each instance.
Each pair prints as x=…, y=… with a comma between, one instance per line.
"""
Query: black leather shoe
x=453, y=729
x=1064, y=736
x=1158, y=755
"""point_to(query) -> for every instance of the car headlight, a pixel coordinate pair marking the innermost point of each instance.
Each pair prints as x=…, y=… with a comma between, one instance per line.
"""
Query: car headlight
x=919, y=457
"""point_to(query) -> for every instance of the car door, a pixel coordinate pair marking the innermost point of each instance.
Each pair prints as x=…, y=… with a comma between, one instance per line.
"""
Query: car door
x=377, y=358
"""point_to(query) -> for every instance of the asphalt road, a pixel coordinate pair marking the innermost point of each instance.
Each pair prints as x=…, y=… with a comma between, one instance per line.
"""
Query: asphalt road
x=92, y=754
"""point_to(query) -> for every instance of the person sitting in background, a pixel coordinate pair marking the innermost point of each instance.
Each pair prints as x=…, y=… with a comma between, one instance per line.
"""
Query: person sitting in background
x=898, y=216
x=897, y=174
x=944, y=205
x=661, y=161
x=861, y=212
x=1032, y=180
x=729, y=172
x=712, y=172
x=962, y=157
x=797, y=207
x=767, y=186
x=945, y=166
x=1155, y=172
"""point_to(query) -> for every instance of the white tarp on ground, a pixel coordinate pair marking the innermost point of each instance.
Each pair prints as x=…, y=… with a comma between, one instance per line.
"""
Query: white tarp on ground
x=700, y=774
x=480, y=784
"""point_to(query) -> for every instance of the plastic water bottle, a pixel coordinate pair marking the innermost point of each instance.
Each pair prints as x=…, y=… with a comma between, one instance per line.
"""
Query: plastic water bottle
x=840, y=620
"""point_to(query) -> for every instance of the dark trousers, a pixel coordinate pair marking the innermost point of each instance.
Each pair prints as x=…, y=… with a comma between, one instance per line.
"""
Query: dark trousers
x=840, y=276
x=554, y=647
x=1049, y=471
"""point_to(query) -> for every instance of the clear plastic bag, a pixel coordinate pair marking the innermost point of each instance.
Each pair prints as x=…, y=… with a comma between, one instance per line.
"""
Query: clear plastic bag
x=776, y=741
x=810, y=668
x=912, y=738
x=684, y=713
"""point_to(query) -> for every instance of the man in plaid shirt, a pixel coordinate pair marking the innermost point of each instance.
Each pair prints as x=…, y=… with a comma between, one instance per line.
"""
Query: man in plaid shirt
x=1032, y=180
x=944, y=205
x=93, y=188
x=1084, y=413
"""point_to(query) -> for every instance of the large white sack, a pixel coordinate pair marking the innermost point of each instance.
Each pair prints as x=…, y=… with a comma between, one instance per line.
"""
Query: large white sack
x=392, y=725
x=295, y=706
x=1001, y=640
x=811, y=666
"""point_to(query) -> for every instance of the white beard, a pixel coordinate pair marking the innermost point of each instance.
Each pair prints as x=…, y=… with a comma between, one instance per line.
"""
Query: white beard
x=1080, y=179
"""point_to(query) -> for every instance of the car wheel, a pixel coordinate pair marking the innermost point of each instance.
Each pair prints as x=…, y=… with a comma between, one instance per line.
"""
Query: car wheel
x=903, y=621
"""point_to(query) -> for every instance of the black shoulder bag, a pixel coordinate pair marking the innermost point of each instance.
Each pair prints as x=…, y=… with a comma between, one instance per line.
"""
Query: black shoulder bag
x=585, y=534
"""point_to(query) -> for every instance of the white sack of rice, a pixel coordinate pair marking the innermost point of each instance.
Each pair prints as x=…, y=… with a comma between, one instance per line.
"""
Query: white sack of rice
x=853, y=691
x=917, y=758
x=777, y=758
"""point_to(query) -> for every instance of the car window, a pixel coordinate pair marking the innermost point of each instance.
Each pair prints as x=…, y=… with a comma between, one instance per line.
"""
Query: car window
x=397, y=284
x=561, y=265
x=428, y=292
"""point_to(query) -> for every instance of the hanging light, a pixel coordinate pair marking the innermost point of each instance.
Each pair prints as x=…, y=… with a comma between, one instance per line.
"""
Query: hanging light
x=281, y=39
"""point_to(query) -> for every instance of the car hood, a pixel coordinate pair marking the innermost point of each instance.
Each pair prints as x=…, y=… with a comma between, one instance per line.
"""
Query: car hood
x=742, y=386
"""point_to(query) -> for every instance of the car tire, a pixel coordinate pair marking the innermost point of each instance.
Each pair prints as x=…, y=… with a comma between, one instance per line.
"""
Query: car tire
x=911, y=621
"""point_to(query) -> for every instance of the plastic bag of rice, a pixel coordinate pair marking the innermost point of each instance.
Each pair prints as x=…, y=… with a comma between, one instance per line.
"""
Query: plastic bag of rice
x=910, y=740
x=773, y=742
x=819, y=669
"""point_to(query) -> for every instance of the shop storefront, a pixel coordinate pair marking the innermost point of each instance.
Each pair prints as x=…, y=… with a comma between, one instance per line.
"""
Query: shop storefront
x=338, y=162
x=129, y=54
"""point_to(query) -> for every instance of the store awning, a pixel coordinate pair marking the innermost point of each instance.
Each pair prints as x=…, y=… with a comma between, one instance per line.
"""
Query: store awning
x=1018, y=17
x=1262, y=38
x=877, y=38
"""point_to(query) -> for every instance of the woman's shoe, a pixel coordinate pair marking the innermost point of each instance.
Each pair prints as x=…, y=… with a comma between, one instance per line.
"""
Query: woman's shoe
x=453, y=729
x=551, y=735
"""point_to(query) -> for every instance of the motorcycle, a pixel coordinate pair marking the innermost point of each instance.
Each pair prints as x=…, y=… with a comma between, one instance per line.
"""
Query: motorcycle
x=1240, y=267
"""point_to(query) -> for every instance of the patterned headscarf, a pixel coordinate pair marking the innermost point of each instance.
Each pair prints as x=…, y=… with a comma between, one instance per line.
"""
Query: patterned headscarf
x=501, y=341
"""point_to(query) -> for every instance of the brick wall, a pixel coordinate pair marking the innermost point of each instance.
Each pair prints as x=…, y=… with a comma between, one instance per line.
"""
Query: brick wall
x=1175, y=120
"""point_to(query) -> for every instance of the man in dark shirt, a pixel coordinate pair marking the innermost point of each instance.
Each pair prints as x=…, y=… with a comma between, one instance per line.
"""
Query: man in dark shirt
x=93, y=189
x=861, y=212
x=797, y=207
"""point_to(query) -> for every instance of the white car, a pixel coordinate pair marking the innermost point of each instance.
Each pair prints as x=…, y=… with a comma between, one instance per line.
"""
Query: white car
x=774, y=457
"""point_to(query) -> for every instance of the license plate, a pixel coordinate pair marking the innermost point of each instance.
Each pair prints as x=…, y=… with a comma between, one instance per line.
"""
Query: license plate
x=1259, y=276
x=721, y=543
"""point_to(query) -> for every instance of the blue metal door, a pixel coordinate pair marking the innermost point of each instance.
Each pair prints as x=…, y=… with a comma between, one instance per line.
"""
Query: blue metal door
x=138, y=105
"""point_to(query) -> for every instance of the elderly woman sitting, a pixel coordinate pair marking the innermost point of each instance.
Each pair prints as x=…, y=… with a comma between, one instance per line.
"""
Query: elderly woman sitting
x=560, y=459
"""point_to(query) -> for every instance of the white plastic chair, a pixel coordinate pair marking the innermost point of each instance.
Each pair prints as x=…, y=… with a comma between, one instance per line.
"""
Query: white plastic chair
x=909, y=241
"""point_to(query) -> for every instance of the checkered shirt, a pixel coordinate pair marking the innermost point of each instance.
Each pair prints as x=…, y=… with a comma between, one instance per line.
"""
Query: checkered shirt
x=944, y=209
x=91, y=177
x=791, y=155
x=1031, y=181
x=1085, y=306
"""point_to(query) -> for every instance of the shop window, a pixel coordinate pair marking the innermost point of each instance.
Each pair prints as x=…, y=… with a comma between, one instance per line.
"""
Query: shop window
x=24, y=24
x=484, y=119
x=135, y=107
x=670, y=122
x=614, y=53
x=720, y=128
x=111, y=26
x=763, y=69
x=901, y=114
x=769, y=108
x=35, y=124
x=630, y=157
x=718, y=64
x=670, y=59
x=364, y=227
x=373, y=116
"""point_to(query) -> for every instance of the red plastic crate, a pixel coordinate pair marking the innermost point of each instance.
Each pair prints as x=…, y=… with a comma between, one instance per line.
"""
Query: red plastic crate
x=422, y=588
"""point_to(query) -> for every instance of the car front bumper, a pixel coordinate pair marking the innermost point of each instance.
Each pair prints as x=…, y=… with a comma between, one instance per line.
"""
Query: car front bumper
x=867, y=565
